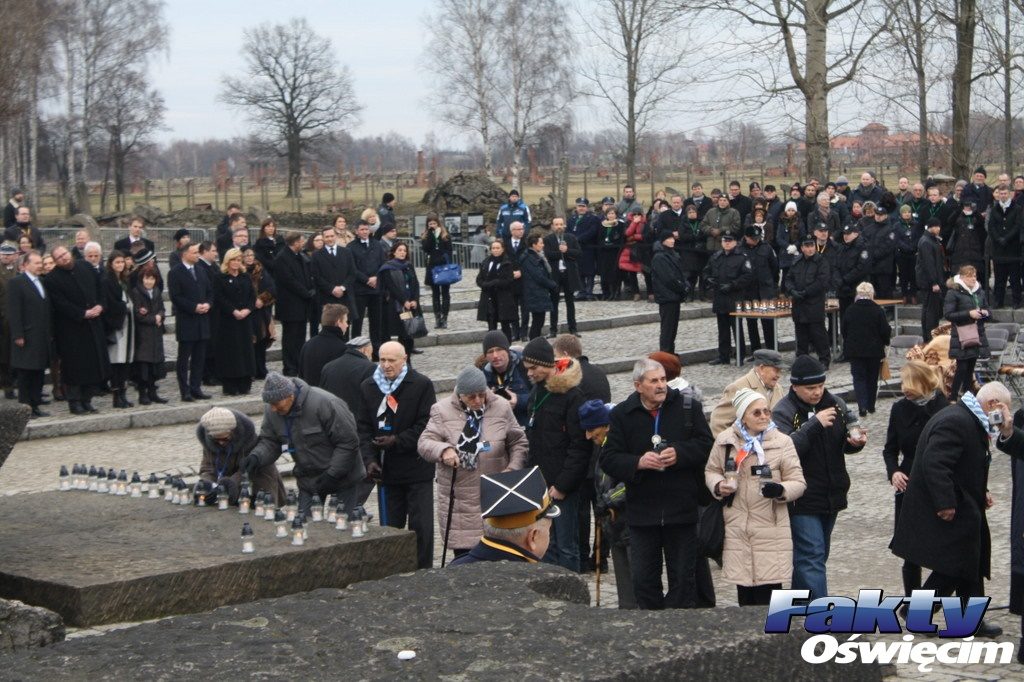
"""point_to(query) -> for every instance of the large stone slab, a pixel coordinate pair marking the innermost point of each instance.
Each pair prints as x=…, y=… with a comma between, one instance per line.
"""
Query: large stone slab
x=24, y=627
x=96, y=558
x=479, y=622
x=13, y=417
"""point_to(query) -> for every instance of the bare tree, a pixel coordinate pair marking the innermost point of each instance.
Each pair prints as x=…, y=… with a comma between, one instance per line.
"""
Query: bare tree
x=1003, y=49
x=131, y=113
x=460, y=55
x=964, y=19
x=822, y=44
x=634, y=63
x=294, y=92
x=534, y=82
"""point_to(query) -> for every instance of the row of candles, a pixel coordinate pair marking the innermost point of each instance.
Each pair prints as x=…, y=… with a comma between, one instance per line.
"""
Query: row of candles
x=174, y=490
x=771, y=305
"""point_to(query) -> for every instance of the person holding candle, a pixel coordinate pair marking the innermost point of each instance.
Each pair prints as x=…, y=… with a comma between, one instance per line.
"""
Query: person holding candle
x=758, y=552
x=226, y=437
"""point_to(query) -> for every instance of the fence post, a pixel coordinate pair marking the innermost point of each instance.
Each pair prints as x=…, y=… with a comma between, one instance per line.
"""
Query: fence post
x=689, y=179
x=366, y=189
x=334, y=190
x=241, y=192
x=585, y=193
x=725, y=186
x=170, y=205
x=317, y=181
x=398, y=187
x=618, y=189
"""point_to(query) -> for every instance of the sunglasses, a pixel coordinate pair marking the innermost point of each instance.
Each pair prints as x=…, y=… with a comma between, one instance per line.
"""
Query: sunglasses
x=765, y=412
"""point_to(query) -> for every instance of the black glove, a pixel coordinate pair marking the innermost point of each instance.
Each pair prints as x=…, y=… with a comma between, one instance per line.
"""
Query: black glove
x=231, y=488
x=250, y=465
x=373, y=472
x=327, y=485
x=725, y=288
x=773, y=490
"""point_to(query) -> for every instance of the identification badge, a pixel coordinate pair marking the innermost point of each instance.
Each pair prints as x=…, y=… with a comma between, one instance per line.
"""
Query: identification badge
x=485, y=446
x=655, y=440
x=284, y=447
x=759, y=470
x=561, y=266
x=529, y=424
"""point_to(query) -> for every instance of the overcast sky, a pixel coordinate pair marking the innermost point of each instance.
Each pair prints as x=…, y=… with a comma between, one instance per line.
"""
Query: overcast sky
x=381, y=42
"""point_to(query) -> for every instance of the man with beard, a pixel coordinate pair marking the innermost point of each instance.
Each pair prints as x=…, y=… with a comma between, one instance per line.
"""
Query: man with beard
x=23, y=227
x=75, y=293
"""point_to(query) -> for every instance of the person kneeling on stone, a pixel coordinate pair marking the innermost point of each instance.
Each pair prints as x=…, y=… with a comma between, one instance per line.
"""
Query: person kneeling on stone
x=517, y=513
x=227, y=436
x=318, y=431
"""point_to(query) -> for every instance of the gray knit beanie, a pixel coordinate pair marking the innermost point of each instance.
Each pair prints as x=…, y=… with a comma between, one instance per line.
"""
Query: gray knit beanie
x=470, y=380
x=277, y=387
x=218, y=421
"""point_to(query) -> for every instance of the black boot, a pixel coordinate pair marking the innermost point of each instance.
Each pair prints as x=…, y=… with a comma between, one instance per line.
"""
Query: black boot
x=144, y=395
x=443, y=324
x=154, y=396
x=76, y=407
x=119, y=401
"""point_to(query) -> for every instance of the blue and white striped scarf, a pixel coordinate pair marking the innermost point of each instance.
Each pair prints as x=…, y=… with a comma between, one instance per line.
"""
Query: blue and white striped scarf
x=972, y=404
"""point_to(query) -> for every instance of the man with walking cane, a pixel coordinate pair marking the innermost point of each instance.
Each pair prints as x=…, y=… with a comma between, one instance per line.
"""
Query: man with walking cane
x=472, y=433
x=396, y=402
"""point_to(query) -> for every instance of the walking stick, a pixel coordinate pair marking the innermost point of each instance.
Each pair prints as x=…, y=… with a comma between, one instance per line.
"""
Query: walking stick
x=597, y=557
x=382, y=495
x=448, y=523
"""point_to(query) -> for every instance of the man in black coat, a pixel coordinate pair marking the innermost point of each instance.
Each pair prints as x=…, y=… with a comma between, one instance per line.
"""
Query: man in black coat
x=739, y=201
x=23, y=227
x=294, y=292
x=192, y=294
x=698, y=199
x=222, y=236
x=808, y=282
x=818, y=422
x=326, y=346
x=1004, y=226
x=763, y=285
x=670, y=288
x=881, y=239
x=563, y=252
x=942, y=523
x=977, y=191
x=76, y=297
x=558, y=444
x=135, y=227
x=345, y=375
x=28, y=314
x=516, y=246
x=368, y=255
x=930, y=275
x=658, y=443
x=334, y=272
x=727, y=274
x=11, y=207
x=850, y=266
x=585, y=226
x=396, y=402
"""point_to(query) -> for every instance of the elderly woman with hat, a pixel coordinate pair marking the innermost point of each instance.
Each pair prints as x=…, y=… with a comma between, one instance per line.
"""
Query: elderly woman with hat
x=469, y=434
x=227, y=436
x=755, y=470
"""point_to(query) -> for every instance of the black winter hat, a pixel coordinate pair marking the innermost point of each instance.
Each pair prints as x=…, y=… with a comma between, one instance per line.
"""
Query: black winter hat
x=806, y=371
x=754, y=232
x=539, y=352
x=387, y=198
x=981, y=169
x=496, y=339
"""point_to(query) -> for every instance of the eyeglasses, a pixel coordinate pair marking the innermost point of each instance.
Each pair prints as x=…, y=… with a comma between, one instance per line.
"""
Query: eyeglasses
x=761, y=413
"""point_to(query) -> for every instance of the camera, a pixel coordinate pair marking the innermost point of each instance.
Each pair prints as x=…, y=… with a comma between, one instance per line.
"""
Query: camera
x=995, y=417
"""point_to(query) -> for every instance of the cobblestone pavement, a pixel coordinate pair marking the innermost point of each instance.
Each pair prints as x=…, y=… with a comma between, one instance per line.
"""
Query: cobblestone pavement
x=860, y=557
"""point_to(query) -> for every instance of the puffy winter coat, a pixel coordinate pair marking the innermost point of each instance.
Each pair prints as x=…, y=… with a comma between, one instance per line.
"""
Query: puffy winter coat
x=508, y=451
x=758, y=544
x=957, y=309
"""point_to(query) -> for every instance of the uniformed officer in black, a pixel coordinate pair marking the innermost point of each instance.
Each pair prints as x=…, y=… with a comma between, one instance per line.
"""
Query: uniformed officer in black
x=808, y=283
x=764, y=285
x=850, y=267
x=930, y=275
x=728, y=274
x=517, y=513
x=881, y=239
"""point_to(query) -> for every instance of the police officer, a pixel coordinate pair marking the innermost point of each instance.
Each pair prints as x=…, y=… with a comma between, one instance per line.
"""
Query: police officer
x=808, y=282
x=850, y=267
x=931, y=276
x=517, y=513
x=585, y=226
x=881, y=239
x=728, y=275
x=763, y=285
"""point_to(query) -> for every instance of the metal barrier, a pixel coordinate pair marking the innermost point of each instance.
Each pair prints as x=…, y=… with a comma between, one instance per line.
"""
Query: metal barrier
x=162, y=237
x=467, y=254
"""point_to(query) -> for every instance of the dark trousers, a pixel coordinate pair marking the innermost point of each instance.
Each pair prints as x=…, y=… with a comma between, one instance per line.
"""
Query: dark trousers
x=588, y=552
x=755, y=339
x=30, y=386
x=756, y=595
x=669, y=329
x=931, y=312
x=865, y=381
x=675, y=548
x=945, y=585
x=119, y=375
x=293, y=335
x=1004, y=270
x=884, y=283
x=726, y=330
x=441, y=298
x=236, y=385
x=260, y=351
x=963, y=379
x=83, y=393
x=412, y=502
x=506, y=327
x=844, y=303
x=813, y=333
x=536, y=325
x=368, y=308
x=524, y=316
x=911, y=571
x=562, y=281
x=905, y=266
x=189, y=366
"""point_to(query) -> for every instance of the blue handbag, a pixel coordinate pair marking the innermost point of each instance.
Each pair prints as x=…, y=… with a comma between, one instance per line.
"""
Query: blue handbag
x=449, y=273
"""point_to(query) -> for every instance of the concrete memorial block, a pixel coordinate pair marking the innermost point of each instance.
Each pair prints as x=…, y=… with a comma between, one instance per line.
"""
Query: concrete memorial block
x=98, y=558
x=494, y=621
x=13, y=418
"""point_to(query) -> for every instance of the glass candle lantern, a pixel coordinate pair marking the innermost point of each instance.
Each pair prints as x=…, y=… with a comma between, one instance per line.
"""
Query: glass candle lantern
x=356, y=524
x=122, y=483
x=340, y=518
x=248, y=546
x=153, y=487
x=279, y=521
x=298, y=534
x=222, y=498
x=63, y=479
x=93, y=479
x=244, y=499
x=269, y=511
x=316, y=509
x=135, y=487
x=101, y=480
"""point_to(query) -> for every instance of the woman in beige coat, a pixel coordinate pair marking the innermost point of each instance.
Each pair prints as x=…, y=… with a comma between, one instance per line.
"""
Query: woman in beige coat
x=758, y=552
x=471, y=433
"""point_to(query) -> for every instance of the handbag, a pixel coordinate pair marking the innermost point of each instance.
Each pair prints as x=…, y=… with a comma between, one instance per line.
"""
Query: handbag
x=968, y=335
x=711, y=531
x=884, y=372
x=415, y=326
x=447, y=273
